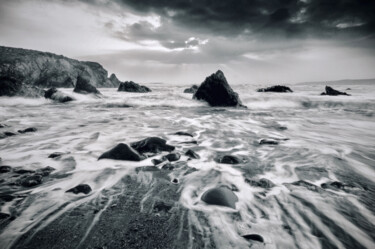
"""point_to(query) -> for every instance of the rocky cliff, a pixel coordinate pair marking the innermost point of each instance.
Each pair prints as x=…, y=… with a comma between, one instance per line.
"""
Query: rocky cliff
x=42, y=69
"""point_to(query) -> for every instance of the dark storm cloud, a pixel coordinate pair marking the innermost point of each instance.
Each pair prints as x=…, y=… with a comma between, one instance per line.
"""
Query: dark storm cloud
x=288, y=17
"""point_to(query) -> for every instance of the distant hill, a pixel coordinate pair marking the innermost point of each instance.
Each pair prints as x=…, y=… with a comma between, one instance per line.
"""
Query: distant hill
x=341, y=82
x=42, y=69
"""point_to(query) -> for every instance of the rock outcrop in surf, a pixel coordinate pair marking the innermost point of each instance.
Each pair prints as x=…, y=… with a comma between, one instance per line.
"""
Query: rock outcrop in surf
x=130, y=86
x=217, y=92
x=276, y=88
x=192, y=89
x=332, y=92
x=57, y=95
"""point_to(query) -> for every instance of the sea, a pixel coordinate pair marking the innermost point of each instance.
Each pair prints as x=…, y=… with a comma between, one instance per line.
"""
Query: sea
x=322, y=141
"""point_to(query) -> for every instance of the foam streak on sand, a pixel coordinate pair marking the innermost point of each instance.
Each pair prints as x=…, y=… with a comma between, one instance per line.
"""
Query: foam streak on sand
x=318, y=140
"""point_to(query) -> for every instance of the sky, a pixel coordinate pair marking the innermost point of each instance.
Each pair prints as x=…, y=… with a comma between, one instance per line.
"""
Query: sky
x=183, y=41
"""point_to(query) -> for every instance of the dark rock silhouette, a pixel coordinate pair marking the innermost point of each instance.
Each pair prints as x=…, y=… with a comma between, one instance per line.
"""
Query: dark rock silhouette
x=31, y=181
x=277, y=88
x=182, y=133
x=192, y=89
x=229, y=159
x=30, y=129
x=268, y=141
x=44, y=70
x=57, y=95
x=152, y=145
x=81, y=188
x=192, y=154
x=130, y=86
x=83, y=86
x=332, y=92
x=221, y=196
x=56, y=154
x=122, y=152
x=255, y=237
x=217, y=92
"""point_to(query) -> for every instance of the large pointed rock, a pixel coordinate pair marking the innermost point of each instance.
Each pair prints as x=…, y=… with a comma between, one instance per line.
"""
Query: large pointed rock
x=217, y=92
x=83, y=86
x=122, y=152
x=152, y=145
x=221, y=196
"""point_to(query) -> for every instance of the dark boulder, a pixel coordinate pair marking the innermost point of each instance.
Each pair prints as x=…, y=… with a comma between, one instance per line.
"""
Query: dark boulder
x=192, y=154
x=5, y=169
x=4, y=216
x=332, y=92
x=172, y=157
x=217, y=92
x=302, y=183
x=122, y=152
x=152, y=145
x=255, y=237
x=130, y=86
x=221, y=196
x=182, y=133
x=277, y=88
x=30, y=129
x=81, y=188
x=57, y=95
x=7, y=197
x=23, y=171
x=83, y=86
x=192, y=89
x=229, y=159
x=168, y=166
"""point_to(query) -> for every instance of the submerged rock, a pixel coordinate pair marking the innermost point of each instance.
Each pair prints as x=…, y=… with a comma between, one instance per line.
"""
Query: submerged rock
x=30, y=129
x=46, y=171
x=172, y=157
x=217, y=92
x=341, y=186
x=311, y=173
x=191, y=154
x=4, y=216
x=130, y=86
x=56, y=154
x=57, y=95
x=7, y=198
x=268, y=141
x=9, y=134
x=122, y=152
x=83, y=86
x=305, y=184
x=192, y=89
x=262, y=183
x=221, y=196
x=183, y=133
x=332, y=92
x=277, y=88
x=230, y=159
x=255, y=237
x=81, y=188
x=152, y=145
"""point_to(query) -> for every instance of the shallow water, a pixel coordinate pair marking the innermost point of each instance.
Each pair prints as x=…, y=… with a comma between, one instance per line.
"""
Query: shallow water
x=321, y=139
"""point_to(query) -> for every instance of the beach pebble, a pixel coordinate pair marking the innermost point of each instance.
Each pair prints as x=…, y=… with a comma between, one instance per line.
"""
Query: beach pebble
x=172, y=157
